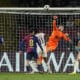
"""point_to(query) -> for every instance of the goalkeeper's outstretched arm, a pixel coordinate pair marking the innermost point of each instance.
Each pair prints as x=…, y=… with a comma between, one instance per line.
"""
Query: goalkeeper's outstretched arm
x=54, y=23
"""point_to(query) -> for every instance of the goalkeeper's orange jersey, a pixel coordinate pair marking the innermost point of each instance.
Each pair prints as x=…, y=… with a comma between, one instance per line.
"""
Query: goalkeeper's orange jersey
x=55, y=37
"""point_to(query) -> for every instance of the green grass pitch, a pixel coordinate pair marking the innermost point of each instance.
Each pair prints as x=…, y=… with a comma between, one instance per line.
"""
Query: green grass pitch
x=23, y=76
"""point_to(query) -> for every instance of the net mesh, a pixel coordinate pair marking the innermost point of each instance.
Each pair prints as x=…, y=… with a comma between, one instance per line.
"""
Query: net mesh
x=13, y=27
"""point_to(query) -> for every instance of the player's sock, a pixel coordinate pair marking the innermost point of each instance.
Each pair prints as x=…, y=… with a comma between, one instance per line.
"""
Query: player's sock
x=76, y=65
x=28, y=69
x=34, y=68
x=40, y=67
x=49, y=69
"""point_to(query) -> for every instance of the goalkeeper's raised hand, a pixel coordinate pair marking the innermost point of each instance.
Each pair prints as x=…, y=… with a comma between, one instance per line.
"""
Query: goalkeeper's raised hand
x=55, y=17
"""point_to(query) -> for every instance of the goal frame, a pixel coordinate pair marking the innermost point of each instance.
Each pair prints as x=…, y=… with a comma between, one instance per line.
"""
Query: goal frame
x=40, y=10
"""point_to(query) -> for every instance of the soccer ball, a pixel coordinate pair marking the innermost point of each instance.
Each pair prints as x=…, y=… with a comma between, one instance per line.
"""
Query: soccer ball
x=46, y=7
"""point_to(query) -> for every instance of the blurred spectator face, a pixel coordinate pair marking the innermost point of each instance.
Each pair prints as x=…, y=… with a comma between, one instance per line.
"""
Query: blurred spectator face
x=61, y=27
x=71, y=18
x=78, y=34
x=70, y=22
x=79, y=43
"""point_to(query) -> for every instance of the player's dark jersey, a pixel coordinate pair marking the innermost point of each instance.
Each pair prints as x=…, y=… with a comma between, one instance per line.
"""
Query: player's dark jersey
x=30, y=41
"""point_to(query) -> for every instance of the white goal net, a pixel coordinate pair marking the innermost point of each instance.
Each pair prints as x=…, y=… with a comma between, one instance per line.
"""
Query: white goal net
x=15, y=24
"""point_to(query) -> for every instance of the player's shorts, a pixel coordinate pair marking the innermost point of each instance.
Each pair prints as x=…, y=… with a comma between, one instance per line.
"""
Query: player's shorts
x=50, y=47
x=40, y=52
x=31, y=56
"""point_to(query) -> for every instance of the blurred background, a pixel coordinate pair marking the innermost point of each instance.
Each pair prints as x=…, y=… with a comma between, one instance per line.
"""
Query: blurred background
x=39, y=3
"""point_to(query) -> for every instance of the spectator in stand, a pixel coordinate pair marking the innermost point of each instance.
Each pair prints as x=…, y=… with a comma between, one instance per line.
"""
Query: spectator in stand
x=70, y=22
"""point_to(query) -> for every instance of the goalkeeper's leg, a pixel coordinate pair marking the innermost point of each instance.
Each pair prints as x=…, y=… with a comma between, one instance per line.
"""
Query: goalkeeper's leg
x=44, y=60
x=49, y=50
x=44, y=64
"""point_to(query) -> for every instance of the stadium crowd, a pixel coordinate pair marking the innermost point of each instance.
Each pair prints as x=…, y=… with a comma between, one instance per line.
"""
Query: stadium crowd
x=39, y=3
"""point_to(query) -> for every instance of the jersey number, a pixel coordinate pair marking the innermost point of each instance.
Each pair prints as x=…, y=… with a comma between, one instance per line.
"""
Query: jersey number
x=31, y=44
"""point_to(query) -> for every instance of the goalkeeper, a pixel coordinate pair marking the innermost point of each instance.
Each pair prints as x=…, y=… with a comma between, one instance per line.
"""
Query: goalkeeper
x=56, y=36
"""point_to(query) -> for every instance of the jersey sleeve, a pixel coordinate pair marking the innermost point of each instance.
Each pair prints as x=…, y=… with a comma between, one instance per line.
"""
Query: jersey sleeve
x=54, y=25
x=21, y=44
x=66, y=38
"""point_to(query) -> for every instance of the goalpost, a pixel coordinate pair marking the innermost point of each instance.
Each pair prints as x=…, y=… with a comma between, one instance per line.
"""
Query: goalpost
x=15, y=23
